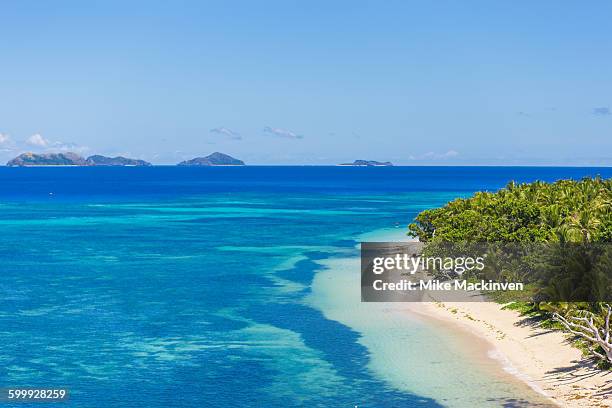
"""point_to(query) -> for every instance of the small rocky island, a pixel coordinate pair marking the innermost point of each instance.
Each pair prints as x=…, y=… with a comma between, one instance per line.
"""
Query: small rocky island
x=367, y=163
x=72, y=159
x=48, y=159
x=215, y=159
x=98, y=160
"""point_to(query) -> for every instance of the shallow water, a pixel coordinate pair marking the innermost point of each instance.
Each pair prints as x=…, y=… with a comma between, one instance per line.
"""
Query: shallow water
x=415, y=353
x=223, y=287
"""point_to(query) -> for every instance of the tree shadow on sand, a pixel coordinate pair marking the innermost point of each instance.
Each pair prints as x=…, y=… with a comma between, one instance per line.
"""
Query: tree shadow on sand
x=518, y=403
x=577, y=370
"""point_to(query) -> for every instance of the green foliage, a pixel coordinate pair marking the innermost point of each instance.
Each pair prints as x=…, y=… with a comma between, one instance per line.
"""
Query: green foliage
x=566, y=211
x=507, y=297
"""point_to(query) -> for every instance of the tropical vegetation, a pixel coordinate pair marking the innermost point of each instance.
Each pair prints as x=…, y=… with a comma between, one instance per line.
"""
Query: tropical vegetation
x=563, y=232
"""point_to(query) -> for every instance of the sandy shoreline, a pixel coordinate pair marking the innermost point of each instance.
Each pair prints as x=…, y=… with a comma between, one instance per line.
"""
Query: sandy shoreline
x=416, y=353
x=542, y=358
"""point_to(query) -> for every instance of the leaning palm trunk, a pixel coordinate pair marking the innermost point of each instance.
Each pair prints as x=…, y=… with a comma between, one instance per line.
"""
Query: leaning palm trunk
x=586, y=327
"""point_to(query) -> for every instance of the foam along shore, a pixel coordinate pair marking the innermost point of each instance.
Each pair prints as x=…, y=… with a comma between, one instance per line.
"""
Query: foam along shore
x=410, y=351
x=542, y=358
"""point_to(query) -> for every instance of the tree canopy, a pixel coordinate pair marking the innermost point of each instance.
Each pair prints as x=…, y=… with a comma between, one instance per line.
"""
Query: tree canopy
x=566, y=211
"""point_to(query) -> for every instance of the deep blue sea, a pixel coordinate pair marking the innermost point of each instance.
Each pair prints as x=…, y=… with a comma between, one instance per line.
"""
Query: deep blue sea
x=192, y=287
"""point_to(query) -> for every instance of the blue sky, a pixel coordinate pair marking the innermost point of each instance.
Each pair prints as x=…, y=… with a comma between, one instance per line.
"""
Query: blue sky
x=310, y=82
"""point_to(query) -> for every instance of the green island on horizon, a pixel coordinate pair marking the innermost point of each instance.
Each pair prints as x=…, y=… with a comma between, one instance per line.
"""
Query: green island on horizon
x=74, y=159
x=216, y=159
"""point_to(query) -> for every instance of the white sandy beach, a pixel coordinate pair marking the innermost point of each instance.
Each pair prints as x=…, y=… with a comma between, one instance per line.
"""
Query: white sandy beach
x=542, y=358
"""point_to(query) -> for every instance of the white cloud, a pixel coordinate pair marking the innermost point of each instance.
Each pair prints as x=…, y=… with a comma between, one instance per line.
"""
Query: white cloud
x=226, y=132
x=436, y=156
x=42, y=143
x=282, y=133
x=4, y=138
x=67, y=147
x=450, y=153
x=37, y=140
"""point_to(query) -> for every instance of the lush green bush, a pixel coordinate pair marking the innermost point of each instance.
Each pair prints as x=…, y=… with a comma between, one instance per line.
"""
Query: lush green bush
x=567, y=210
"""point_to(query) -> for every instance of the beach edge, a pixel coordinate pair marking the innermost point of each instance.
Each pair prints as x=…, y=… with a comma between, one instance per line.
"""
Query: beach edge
x=542, y=358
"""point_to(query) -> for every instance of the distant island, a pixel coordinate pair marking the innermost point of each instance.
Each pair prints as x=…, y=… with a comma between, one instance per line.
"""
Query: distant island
x=72, y=159
x=367, y=163
x=215, y=159
x=98, y=160
x=48, y=159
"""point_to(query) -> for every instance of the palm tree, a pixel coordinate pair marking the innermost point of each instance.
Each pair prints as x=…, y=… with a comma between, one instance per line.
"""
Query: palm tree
x=582, y=225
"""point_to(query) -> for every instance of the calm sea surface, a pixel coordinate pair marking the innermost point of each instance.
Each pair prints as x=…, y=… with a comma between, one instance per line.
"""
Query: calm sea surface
x=192, y=287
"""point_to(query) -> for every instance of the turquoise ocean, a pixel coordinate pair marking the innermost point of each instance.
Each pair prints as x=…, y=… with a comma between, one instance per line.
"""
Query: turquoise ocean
x=230, y=287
